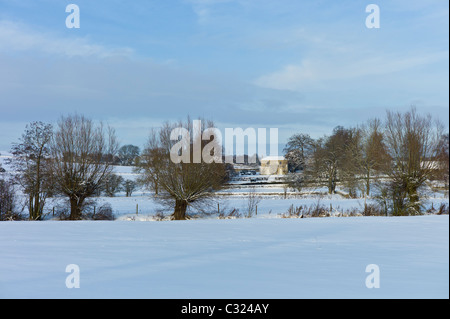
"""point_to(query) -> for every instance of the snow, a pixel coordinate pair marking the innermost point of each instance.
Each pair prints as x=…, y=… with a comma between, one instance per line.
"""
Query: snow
x=272, y=203
x=265, y=256
x=241, y=258
x=272, y=158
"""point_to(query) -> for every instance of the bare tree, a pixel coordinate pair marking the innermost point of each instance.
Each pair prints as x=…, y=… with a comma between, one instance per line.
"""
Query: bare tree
x=349, y=170
x=82, y=156
x=315, y=172
x=7, y=200
x=149, y=160
x=413, y=143
x=129, y=186
x=113, y=184
x=298, y=148
x=253, y=199
x=180, y=184
x=31, y=162
x=128, y=153
x=329, y=155
x=374, y=158
x=442, y=172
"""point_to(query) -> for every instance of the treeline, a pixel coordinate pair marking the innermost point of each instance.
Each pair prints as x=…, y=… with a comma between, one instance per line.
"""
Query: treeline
x=390, y=159
x=74, y=159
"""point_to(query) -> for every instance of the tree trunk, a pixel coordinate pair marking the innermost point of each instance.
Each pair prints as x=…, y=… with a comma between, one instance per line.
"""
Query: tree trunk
x=34, y=208
x=75, y=208
x=414, y=200
x=37, y=191
x=31, y=206
x=330, y=184
x=37, y=212
x=332, y=181
x=368, y=183
x=180, y=210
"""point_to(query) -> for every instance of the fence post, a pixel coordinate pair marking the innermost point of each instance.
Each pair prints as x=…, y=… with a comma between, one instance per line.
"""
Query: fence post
x=137, y=208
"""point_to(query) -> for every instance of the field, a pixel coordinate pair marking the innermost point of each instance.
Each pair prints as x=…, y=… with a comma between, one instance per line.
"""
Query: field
x=240, y=258
x=265, y=256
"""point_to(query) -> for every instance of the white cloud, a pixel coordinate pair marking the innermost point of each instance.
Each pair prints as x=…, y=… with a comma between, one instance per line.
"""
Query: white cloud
x=203, y=8
x=312, y=71
x=18, y=37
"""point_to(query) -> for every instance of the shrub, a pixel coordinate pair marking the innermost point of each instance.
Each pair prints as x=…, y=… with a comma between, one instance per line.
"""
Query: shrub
x=8, y=209
x=232, y=214
x=301, y=211
x=443, y=209
x=89, y=212
x=294, y=212
x=105, y=212
x=159, y=216
x=373, y=210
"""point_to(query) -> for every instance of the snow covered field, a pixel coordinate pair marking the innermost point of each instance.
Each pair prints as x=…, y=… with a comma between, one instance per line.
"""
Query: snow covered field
x=240, y=258
x=265, y=256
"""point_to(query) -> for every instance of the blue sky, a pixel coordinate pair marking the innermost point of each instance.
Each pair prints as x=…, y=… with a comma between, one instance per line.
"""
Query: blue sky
x=300, y=66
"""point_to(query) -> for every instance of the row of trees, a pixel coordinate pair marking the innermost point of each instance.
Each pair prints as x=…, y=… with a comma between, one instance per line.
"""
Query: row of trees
x=397, y=156
x=76, y=159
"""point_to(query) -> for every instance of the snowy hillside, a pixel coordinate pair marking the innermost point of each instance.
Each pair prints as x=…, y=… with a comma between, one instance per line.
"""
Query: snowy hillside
x=242, y=258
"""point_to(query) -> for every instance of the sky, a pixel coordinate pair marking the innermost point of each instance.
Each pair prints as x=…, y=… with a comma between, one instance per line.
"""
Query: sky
x=299, y=66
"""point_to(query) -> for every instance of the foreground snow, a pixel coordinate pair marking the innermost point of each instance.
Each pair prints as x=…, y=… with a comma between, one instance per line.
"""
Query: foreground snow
x=242, y=258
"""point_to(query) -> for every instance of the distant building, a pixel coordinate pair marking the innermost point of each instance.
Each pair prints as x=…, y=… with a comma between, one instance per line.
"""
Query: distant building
x=274, y=165
x=243, y=169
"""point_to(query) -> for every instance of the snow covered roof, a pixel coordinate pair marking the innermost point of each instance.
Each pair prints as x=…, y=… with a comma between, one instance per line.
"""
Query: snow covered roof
x=273, y=158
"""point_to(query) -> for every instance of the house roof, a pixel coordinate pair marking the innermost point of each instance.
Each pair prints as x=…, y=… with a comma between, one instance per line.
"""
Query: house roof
x=273, y=158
